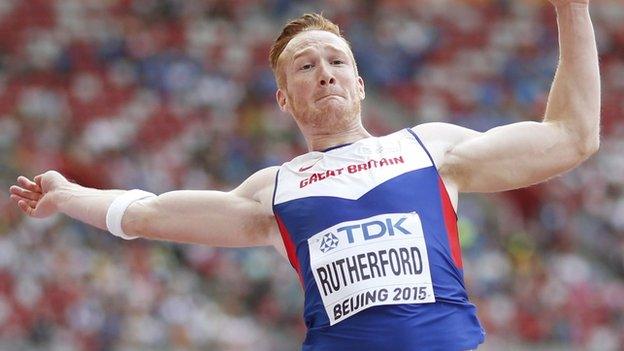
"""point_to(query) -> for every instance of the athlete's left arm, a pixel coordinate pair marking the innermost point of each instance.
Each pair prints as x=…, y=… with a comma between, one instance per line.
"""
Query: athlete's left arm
x=525, y=153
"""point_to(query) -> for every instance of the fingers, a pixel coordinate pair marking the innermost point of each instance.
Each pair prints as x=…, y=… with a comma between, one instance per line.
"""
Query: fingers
x=29, y=185
x=25, y=206
x=37, y=180
x=26, y=194
x=19, y=199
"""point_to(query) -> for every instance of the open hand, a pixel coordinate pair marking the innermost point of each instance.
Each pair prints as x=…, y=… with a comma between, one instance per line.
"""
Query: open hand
x=36, y=198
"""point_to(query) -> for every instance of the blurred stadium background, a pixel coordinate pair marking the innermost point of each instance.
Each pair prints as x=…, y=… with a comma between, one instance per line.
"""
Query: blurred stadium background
x=172, y=94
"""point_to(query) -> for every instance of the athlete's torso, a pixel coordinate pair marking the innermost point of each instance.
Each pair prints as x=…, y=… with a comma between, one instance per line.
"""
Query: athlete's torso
x=372, y=234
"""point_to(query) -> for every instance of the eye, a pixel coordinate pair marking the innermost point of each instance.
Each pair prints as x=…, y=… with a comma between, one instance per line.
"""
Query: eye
x=337, y=62
x=307, y=66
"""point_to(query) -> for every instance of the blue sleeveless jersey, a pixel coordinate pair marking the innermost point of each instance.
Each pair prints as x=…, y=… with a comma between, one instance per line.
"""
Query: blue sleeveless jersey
x=372, y=234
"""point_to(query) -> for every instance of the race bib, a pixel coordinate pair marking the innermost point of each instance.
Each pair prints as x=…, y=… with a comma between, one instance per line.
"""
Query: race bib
x=380, y=260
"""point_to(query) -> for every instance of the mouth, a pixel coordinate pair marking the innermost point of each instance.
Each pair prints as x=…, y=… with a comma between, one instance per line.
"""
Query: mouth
x=329, y=96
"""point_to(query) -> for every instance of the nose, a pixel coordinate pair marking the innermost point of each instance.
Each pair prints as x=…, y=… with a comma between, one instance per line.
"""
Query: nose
x=328, y=80
x=325, y=76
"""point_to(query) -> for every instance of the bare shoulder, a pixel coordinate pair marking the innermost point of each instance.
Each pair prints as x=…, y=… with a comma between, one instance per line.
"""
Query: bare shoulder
x=439, y=138
x=259, y=186
x=443, y=134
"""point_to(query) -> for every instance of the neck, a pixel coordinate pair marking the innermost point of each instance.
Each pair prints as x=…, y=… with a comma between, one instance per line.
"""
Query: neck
x=322, y=141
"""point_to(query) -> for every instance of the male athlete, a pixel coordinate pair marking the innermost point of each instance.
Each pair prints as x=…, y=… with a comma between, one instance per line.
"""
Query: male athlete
x=368, y=223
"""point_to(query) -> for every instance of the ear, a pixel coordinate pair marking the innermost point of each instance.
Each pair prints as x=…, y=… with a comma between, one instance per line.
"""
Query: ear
x=360, y=84
x=282, y=101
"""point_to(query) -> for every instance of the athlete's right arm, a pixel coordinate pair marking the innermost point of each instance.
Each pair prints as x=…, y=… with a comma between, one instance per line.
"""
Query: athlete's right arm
x=241, y=217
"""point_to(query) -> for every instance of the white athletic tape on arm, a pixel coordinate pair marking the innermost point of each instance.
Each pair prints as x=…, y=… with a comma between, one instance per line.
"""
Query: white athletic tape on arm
x=118, y=207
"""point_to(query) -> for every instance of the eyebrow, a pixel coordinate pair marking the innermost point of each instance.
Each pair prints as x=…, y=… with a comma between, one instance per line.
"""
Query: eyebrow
x=306, y=50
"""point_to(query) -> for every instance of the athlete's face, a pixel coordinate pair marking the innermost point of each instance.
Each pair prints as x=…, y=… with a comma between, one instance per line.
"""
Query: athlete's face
x=319, y=83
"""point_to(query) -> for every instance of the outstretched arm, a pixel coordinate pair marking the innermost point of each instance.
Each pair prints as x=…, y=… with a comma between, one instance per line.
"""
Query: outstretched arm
x=525, y=153
x=241, y=217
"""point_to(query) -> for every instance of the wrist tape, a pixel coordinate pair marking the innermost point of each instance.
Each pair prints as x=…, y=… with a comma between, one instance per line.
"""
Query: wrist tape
x=118, y=207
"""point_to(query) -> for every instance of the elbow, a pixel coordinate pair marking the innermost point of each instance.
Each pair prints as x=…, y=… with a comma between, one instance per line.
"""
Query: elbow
x=588, y=146
x=592, y=147
x=583, y=143
x=591, y=143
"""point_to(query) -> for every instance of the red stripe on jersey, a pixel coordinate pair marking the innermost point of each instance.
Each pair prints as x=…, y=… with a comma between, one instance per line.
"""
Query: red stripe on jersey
x=290, y=247
x=450, y=222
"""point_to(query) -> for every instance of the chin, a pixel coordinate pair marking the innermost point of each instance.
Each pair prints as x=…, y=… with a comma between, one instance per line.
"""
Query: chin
x=333, y=116
x=329, y=115
x=334, y=110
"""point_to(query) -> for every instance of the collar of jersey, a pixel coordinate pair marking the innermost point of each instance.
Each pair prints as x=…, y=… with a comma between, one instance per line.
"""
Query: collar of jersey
x=335, y=147
x=312, y=157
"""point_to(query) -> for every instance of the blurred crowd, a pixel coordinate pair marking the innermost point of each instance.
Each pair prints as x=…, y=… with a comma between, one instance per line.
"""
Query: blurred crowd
x=178, y=94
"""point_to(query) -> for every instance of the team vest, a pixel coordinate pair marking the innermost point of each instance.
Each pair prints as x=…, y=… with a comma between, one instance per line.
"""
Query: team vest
x=371, y=232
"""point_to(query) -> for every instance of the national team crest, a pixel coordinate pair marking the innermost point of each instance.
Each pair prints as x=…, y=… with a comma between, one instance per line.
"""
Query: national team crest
x=329, y=242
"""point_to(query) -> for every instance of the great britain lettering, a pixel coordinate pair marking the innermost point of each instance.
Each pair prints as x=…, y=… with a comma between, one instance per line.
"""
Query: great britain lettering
x=351, y=169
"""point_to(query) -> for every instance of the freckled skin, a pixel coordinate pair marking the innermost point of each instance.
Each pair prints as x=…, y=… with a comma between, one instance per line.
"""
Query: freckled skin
x=320, y=87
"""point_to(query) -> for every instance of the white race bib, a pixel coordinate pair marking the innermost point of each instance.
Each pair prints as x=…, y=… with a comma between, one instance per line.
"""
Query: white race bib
x=380, y=260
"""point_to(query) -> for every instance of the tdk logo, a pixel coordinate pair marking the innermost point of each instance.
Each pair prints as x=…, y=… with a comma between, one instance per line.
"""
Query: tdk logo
x=374, y=229
x=329, y=242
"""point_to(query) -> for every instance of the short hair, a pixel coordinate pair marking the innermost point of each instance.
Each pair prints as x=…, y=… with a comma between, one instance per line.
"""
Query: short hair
x=309, y=21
